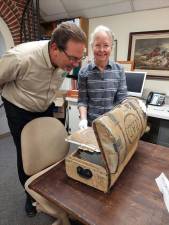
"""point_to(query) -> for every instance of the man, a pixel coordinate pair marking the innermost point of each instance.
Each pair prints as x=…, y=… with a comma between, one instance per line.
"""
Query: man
x=102, y=82
x=29, y=78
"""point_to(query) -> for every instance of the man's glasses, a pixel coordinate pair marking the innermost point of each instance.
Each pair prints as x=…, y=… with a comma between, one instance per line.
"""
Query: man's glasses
x=73, y=58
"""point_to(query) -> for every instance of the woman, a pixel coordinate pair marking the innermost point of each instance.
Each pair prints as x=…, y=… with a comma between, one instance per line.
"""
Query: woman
x=102, y=83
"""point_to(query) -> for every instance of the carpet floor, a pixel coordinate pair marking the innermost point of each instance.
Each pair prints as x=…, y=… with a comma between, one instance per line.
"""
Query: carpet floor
x=12, y=196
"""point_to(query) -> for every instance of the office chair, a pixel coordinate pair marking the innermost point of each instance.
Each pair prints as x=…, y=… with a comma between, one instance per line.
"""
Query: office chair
x=43, y=146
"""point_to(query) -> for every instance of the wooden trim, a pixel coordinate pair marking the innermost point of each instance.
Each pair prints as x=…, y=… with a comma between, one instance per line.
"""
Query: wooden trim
x=127, y=62
x=84, y=25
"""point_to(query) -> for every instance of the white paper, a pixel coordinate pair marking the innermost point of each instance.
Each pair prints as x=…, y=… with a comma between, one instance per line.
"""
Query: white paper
x=163, y=185
x=84, y=147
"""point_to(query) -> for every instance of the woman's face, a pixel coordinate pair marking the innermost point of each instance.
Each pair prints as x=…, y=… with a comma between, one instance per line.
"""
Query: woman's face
x=102, y=47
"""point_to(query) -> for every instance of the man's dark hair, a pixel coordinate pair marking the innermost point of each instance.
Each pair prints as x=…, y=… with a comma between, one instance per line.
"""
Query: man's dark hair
x=67, y=31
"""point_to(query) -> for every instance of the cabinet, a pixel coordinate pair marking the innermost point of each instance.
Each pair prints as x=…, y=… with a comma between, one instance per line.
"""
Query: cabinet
x=72, y=115
x=84, y=24
x=163, y=134
x=158, y=121
x=159, y=131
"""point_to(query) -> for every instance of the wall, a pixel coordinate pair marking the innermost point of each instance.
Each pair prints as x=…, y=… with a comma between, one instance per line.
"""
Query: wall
x=2, y=44
x=11, y=12
x=123, y=24
x=6, y=40
x=3, y=121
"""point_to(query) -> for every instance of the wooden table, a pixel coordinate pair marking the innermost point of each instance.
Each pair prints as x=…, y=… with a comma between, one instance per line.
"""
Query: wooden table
x=134, y=199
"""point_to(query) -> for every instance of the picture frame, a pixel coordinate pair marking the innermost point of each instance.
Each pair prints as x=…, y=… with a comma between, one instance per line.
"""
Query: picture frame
x=149, y=51
x=128, y=65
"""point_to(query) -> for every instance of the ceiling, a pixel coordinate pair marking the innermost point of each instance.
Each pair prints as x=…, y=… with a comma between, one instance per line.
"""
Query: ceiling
x=62, y=9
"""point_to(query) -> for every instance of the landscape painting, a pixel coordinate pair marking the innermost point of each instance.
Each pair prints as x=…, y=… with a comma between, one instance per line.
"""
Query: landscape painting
x=150, y=52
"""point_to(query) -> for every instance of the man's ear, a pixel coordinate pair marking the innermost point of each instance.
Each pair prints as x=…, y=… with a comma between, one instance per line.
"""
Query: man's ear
x=54, y=47
x=54, y=50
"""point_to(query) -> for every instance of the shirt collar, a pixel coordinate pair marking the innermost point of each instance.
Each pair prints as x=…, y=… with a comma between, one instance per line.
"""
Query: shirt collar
x=45, y=51
x=109, y=64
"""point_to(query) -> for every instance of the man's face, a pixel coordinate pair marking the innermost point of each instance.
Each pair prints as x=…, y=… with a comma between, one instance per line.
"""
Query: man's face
x=70, y=57
x=102, y=47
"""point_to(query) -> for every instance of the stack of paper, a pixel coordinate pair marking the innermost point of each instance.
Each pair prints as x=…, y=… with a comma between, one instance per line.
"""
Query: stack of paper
x=163, y=185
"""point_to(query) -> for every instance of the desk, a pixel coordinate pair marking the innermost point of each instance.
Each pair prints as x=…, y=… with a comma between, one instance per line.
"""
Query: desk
x=158, y=119
x=161, y=112
x=133, y=200
x=156, y=112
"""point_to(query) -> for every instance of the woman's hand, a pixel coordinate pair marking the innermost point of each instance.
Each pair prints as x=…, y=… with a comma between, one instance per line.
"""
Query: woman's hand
x=83, y=124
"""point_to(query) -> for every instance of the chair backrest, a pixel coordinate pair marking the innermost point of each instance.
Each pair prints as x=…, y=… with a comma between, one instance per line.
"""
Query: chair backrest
x=43, y=144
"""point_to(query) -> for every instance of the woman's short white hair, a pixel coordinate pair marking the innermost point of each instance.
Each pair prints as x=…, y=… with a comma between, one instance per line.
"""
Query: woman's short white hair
x=99, y=29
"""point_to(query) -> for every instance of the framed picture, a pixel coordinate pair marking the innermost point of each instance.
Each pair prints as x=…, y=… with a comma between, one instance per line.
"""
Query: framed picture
x=150, y=52
x=128, y=65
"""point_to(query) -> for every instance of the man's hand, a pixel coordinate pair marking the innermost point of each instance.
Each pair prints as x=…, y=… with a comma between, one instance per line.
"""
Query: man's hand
x=142, y=106
x=83, y=124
